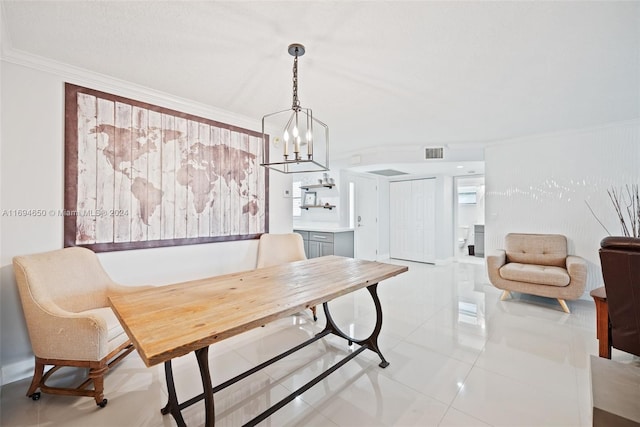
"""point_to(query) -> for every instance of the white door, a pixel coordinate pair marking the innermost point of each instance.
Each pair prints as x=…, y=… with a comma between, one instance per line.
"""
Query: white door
x=365, y=218
x=400, y=227
x=412, y=220
x=428, y=189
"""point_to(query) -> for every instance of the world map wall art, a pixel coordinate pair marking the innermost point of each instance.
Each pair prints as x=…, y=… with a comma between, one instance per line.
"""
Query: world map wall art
x=141, y=176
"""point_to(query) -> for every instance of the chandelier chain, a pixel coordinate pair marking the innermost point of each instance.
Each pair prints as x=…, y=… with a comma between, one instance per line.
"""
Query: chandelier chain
x=296, y=102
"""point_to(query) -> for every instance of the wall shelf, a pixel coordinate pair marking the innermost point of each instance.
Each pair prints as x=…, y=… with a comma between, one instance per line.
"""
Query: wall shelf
x=308, y=187
x=318, y=206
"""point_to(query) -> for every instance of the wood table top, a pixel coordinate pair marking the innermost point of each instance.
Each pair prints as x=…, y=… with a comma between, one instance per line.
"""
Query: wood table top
x=170, y=321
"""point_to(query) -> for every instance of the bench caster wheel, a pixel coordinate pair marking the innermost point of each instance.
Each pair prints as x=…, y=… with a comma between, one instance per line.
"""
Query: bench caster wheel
x=103, y=403
x=35, y=396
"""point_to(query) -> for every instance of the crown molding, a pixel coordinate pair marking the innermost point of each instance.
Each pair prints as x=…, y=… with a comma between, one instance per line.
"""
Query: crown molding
x=565, y=132
x=106, y=83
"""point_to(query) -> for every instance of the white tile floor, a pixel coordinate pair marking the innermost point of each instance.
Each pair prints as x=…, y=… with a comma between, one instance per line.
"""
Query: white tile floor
x=459, y=357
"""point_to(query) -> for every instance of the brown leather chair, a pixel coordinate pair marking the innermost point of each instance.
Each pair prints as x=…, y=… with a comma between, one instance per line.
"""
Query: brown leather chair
x=620, y=260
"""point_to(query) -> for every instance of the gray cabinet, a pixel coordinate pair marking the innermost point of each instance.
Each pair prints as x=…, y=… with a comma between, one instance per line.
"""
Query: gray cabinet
x=321, y=243
x=305, y=240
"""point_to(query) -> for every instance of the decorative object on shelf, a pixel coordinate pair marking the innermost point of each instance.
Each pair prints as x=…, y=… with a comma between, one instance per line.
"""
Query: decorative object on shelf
x=301, y=143
x=309, y=198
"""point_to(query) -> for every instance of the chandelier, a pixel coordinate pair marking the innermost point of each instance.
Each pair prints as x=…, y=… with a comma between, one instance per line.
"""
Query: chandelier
x=300, y=138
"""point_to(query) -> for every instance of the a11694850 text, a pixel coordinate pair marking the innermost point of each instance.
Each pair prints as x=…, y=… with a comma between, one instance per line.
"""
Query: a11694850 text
x=101, y=213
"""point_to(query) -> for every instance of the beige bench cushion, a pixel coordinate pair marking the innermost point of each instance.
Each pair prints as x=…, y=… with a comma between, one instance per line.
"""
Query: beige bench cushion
x=538, y=274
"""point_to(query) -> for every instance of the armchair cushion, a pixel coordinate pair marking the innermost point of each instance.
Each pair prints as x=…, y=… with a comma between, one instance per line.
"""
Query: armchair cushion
x=538, y=274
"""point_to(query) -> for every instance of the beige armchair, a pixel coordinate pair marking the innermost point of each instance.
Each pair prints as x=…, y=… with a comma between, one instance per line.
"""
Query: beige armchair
x=64, y=298
x=538, y=264
x=274, y=249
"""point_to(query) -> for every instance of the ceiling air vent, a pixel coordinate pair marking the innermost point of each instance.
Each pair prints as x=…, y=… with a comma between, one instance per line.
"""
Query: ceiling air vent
x=434, y=153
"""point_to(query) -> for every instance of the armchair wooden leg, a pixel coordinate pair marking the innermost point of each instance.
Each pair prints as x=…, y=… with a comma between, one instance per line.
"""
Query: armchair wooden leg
x=505, y=295
x=96, y=374
x=38, y=371
x=97, y=371
x=564, y=306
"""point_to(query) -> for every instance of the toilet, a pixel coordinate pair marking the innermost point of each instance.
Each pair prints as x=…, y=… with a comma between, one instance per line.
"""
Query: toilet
x=463, y=235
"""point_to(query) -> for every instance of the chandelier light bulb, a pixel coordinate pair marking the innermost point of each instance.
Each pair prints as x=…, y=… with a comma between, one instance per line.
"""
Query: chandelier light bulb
x=286, y=143
x=309, y=145
x=295, y=132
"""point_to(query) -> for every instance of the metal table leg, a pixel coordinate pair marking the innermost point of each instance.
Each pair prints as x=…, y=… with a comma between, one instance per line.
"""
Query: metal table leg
x=174, y=408
x=370, y=342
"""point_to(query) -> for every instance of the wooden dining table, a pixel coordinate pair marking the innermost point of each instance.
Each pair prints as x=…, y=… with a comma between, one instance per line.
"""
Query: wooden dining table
x=170, y=321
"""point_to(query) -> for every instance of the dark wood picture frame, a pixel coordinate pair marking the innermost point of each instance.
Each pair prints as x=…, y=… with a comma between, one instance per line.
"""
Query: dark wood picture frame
x=139, y=175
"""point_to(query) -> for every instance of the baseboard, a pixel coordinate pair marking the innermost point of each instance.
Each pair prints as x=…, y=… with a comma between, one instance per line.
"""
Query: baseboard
x=16, y=371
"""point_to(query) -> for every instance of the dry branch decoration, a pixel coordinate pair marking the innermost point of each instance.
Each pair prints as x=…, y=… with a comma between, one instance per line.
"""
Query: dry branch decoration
x=626, y=202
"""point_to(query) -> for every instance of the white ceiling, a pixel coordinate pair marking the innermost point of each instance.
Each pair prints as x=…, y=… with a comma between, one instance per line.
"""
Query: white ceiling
x=380, y=74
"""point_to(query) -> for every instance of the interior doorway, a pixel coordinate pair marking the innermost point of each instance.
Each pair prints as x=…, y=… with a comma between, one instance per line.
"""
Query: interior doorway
x=469, y=213
x=364, y=216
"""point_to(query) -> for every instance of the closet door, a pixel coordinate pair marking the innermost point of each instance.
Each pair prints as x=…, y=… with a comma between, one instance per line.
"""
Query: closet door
x=412, y=220
x=429, y=220
x=399, y=222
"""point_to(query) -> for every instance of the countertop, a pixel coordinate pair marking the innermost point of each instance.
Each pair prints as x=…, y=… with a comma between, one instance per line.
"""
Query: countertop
x=324, y=228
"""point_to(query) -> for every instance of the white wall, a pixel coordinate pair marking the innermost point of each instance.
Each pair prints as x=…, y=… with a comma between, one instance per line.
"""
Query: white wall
x=540, y=184
x=32, y=177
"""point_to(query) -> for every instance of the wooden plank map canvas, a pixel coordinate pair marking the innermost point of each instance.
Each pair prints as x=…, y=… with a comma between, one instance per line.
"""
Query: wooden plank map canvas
x=139, y=176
